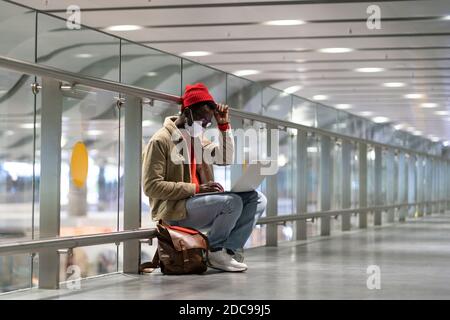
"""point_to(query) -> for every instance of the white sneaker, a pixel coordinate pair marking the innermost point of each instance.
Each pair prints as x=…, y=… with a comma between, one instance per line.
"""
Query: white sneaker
x=223, y=261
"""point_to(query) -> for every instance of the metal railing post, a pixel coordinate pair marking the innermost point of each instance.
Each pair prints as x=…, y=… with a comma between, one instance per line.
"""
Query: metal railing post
x=362, y=155
x=420, y=186
x=429, y=185
x=50, y=178
x=272, y=193
x=325, y=183
x=402, y=184
x=302, y=183
x=390, y=184
x=378, y=182
x=346, y=182
x=132, y=181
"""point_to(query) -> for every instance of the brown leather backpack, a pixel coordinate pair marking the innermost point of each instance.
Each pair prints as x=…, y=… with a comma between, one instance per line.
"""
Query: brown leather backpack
x=180, y=251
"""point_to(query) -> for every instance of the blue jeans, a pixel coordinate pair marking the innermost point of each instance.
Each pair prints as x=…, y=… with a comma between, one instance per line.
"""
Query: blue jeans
x=228, y=217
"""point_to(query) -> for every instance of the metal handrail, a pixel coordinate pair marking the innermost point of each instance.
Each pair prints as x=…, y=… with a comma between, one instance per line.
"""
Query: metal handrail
x=74, y=79
x=337, y=212
x=75, y=241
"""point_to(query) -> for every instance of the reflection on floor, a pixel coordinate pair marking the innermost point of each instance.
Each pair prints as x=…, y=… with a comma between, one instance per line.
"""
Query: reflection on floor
x=412, y=257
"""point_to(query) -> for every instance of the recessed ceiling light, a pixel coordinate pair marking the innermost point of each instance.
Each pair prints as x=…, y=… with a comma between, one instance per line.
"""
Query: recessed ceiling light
x=301, y=69
x=147, y=123
x=311, y=149
x=434, y=139
x=399, y=126
x=429, y=105
x=151, y=74
x=320, y=97
x=300, y=60
x=243, y=73
x=292, y=89
x=83, y=55
x=196, y=53
x=393, y=84
x=446, y=143
x=413, y=96
x=94, y=132
x=335, y=50
x=441, y=113
x=284, y=22
x=29, y=125
x=417, y=132
x=343, y=106
x=369, y=69
x=380, y=119
x=366, y=113
x=124, y=27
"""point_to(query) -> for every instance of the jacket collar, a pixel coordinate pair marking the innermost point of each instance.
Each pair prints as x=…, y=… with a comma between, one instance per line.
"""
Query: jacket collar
x=169, y=124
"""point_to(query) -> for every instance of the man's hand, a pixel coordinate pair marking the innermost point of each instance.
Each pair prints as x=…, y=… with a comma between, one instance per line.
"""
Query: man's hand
x=211, y=187
x=221, y=114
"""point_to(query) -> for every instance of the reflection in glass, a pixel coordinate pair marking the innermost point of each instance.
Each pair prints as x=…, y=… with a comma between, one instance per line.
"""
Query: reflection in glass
x=84, y=51
x=243, y=94
x=151, y=69
x=17, y=28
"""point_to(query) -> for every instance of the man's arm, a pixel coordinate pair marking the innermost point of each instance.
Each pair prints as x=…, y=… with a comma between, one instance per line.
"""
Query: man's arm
x=154, y=172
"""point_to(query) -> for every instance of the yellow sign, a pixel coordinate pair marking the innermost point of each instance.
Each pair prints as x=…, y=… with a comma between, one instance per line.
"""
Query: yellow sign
x=79, y=164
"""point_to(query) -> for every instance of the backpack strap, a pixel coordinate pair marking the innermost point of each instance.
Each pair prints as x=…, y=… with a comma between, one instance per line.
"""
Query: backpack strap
x=149, y=267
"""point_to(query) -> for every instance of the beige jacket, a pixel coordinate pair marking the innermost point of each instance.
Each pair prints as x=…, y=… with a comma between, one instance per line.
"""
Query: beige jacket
x=167, y=183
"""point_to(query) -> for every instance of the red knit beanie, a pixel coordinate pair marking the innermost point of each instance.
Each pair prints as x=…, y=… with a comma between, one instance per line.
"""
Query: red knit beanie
x=195, y=93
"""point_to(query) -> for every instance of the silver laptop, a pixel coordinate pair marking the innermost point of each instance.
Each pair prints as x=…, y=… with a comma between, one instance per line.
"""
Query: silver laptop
x=250, y=180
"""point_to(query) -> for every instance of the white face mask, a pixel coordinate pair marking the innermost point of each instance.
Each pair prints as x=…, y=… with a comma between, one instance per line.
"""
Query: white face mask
x=195, y=130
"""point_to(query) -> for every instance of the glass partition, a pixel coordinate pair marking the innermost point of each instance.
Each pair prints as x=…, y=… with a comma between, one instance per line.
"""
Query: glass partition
x=243, y=94
x=326, y=118
x=276, y=104
x=151, y=69
x=17, y=29
x=19, y=131
x=84, y=51
x=303, y=112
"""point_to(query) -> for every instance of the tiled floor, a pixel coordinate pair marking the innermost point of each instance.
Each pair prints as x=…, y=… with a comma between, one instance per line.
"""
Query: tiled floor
x=413, y=257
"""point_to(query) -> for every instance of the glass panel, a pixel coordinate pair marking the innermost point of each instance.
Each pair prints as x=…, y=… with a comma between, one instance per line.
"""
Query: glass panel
x=90, y=117
x=84, y=51
x=15, y=272
x=87, y=262
x=276, y=104
x=18, y=133
x=215, y=80
x=243, y=94
x=17, y=27
x=286, y=232
x=304, y=112
x=326, y=118
x=151, y=69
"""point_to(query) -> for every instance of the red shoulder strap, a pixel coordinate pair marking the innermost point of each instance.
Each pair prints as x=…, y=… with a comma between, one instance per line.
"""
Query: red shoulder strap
x=186, y=230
